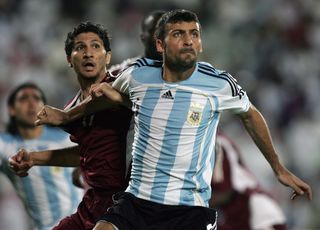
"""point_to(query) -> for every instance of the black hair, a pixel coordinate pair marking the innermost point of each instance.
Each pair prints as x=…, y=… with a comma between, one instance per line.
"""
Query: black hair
x=148, y=27
x=155, y=14
x=174, y=16
x=86, y=27
x=11, y=127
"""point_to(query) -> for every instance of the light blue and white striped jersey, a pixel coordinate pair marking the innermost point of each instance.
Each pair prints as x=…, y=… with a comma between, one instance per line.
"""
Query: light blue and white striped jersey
x=47, y=192
x=175, y=129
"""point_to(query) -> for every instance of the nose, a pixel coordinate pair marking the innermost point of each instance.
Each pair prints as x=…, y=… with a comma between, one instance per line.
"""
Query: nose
x=188, y=40
x=87, y=52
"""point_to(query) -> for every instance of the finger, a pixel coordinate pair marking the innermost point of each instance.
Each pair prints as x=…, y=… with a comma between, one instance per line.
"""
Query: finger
x=21, y=155
x=38, y=122
x=308, y=190
x=12, y=164
x=293, y=195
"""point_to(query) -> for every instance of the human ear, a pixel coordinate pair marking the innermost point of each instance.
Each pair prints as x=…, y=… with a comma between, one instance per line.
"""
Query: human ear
x=159, y=46
x=108, y=57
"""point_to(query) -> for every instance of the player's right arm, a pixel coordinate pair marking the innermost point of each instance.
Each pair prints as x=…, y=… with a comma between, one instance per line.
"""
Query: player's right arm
x=23, y=160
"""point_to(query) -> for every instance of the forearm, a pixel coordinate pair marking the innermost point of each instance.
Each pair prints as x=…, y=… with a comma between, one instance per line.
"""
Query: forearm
x=67, y=157
x=258, y=129
x=110, y=99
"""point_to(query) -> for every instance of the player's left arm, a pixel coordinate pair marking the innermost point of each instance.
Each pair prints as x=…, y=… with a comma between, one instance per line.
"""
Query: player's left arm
x=257, y=128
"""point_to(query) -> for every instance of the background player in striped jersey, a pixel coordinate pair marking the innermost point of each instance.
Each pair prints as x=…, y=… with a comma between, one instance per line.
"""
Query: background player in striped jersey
x=101, y=137
x=47, y=193
x=177, y=107
x=241, y=202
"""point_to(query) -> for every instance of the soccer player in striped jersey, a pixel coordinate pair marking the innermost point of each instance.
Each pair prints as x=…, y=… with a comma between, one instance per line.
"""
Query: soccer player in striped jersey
x=241, y=202
x=177, y=105
x=47, y=193
x=101, y=137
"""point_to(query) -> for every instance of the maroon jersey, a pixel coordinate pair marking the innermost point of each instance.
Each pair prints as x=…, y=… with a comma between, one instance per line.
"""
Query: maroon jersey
x=102, y=139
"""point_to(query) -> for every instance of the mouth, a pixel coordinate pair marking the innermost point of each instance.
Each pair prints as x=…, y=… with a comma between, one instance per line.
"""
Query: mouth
x=188, y=51
x=88, y=65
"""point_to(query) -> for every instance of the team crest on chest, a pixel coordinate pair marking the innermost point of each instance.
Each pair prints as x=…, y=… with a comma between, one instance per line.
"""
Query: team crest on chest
x=195, y=114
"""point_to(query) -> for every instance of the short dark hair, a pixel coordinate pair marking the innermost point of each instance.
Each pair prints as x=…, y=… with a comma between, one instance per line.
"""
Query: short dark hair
x=156, y=14
x=11, y=126
x=174, y=16
x=86, y=27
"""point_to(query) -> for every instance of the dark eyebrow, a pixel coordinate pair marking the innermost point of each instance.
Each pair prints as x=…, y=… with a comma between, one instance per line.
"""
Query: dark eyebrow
x=180, y=30
x=94, y=40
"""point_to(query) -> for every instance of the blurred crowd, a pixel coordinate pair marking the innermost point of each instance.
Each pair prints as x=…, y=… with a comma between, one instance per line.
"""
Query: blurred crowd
x=271, y=47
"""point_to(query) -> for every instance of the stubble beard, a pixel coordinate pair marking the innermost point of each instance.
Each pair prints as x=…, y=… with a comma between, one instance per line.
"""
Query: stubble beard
x=179, y=64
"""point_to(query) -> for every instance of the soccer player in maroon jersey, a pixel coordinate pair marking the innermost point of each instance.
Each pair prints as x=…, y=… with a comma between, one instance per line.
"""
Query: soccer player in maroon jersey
x=240, y=200
x=101, y=137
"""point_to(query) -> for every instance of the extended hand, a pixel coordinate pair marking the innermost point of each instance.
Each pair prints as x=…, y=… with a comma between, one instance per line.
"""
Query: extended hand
x=20, y=163
x=50, y=115
x=299, y=187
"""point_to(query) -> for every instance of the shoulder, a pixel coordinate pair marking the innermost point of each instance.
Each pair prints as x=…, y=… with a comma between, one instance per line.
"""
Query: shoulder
x=147, y=63
x=117, y=69
x=207, y=69
x=7, y=138
x=8, y=144
x=141, y=70
x=219, y=76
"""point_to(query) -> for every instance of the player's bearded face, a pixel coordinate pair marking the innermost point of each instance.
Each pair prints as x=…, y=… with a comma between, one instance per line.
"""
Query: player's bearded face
x=89, y=57
x=182, y=45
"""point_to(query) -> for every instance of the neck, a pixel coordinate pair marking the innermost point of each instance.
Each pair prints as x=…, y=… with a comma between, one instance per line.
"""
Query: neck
x=30, y=132
x=170, y=75
x=86, y=83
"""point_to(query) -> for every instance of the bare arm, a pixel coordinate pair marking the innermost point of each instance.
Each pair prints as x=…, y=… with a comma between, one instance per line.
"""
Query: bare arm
x=102, y=96
x=23, y=160
x=257, y=128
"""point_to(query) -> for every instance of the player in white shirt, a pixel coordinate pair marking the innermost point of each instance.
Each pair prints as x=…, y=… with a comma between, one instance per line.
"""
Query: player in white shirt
x=47, y=193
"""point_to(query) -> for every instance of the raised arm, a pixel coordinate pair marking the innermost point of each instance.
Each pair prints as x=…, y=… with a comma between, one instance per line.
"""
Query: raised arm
x=102, y=96
x=257, y=128
x=23, y=160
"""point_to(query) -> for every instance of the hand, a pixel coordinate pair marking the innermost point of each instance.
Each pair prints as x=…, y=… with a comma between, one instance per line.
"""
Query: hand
x=101, y=89
x=21, y=162
x=50, y=115
x=299, y=187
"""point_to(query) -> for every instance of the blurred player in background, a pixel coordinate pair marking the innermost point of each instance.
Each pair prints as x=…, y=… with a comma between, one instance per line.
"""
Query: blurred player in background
x=47, y=193
x=237, y=195
x=148, y=26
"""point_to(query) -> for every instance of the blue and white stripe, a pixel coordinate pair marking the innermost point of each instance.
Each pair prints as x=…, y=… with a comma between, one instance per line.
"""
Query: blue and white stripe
x=173, y=150
x=47, y=192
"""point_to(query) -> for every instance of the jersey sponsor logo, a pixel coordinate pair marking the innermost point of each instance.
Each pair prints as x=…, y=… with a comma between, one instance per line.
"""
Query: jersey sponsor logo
x=167, y=95
x=195, y=114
